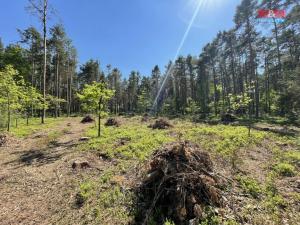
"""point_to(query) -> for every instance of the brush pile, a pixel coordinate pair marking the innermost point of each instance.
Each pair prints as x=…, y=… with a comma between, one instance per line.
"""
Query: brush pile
x=228, y=118
x=161, y=124
x=3, y=139
x=179, y=183
x=87, y=119
x=112, y=122
x=145, y=118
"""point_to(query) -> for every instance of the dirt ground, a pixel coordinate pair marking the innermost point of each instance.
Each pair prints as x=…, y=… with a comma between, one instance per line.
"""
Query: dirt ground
x=37, y=182
x=39, y=186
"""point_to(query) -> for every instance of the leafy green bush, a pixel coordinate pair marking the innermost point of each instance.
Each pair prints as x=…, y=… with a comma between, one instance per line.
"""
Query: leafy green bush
x=169, y=222
x=250, y=186
x=214, y=220
x=285, y=169
x=113, y=205
x=84, y=193
x=292, y=157
x=270, y=186
x=231, y=222
x=275, y=202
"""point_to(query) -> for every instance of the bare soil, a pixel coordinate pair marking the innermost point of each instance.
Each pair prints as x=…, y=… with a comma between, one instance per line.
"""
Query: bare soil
x=37, y=182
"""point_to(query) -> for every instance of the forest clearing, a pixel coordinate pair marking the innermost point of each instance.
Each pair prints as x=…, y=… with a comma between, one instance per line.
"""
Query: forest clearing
x=192, y=116
x=40, y=185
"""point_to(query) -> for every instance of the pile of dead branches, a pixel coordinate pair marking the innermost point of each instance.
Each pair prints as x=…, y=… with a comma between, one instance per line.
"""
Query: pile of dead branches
x=145, y=118
x=87, y=119
x=160, y=124
x=228, y=118
x=112, y=122
x=3, y=139
x=179, y=183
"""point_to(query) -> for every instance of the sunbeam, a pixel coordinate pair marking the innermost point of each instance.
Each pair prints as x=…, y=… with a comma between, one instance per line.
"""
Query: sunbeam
x=200, y=4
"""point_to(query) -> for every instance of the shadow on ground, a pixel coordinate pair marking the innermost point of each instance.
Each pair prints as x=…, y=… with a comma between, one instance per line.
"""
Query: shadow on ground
x=39, y=157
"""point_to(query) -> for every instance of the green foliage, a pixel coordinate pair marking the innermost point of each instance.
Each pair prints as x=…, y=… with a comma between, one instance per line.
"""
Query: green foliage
x=23, y=130
x=292, y=157
x=53, y=102
x=10, y=92
x=105, y=177
x=89, y=72
x=169, y=222
x=142, y=141
x=112, y=204
x=15, y=56
x=94, y=97
x=250, y=186
x=85, y=191
x=230, y=222
x=214, y=220
x=139, y=142
x=210, y=217
x=222, y=139
x=240, y=102
x=192, y=106
x=273, y=203
x=285, y=169
x=111, y=197
x=144, y=103
x=31, y=98
x=270, y=187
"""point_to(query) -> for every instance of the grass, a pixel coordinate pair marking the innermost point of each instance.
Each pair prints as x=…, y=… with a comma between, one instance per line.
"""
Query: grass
x=141, y=141
x=285, y=169
x=274, y=203
x=250, y=186
x=35, y=125
x=85, y=191
x=222, y=139
x=292, y=157
x=112, y=204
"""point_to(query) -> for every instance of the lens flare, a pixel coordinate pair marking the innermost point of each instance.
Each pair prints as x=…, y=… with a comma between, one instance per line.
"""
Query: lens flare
x=200, y=4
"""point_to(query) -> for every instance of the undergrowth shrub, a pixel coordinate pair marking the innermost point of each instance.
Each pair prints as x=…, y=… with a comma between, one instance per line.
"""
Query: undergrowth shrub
x=85, y=191
x=285, y=169
x=250, y=186
x=292, y=157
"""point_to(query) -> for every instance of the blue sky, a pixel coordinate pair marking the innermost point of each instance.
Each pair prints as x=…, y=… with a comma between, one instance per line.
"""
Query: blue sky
x=128, y=34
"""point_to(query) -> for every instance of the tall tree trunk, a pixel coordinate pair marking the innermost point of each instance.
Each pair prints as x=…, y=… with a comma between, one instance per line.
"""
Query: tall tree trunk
x=256, y=96
x=70, y=101
x=68, y=93
x=32, y=82
x=278, y=54
x=232, y=68
x=59, y=93
x=252, y=65
x=45, y=58
x=215, y=91
x=267, y=87
x=56, y=83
